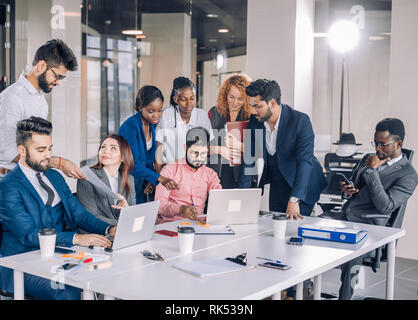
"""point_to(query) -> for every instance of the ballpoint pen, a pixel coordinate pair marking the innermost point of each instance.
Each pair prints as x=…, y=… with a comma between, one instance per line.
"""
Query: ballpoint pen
x=276, y=261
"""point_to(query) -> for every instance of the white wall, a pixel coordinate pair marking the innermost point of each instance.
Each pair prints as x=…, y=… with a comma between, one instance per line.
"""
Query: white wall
x=170, y=37
x=280, y=47
x=403, y=97
x=213, y=78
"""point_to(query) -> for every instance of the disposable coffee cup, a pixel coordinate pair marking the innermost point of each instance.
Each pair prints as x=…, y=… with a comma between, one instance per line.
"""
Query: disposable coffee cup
x=279, y=225
x=186, y=239
x=47, y=239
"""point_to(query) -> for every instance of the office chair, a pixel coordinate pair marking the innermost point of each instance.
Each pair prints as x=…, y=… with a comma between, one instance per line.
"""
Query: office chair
x=336, y=167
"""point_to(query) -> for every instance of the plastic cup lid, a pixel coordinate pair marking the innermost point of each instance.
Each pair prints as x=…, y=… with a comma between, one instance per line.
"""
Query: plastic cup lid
x=185, y=229
x=280, y=216
x=47, y=232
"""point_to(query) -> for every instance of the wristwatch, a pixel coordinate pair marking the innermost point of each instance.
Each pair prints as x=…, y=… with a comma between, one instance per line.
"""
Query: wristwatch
x=294, y=200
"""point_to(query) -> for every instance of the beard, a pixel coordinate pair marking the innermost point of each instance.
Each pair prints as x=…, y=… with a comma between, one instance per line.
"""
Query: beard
x=36, y=166
x=195, y=164
x=43, y=84
x=266, y=117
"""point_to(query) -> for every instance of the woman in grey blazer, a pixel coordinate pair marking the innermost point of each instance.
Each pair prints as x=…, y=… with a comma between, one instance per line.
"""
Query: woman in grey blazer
x=115, y=162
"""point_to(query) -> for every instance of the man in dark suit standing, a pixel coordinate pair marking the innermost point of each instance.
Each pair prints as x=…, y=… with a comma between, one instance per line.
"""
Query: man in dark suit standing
x=287, y=141
x=380, y=184
x=34, y=197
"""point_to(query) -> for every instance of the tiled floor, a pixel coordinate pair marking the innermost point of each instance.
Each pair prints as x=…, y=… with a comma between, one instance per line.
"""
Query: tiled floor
x=406, y=281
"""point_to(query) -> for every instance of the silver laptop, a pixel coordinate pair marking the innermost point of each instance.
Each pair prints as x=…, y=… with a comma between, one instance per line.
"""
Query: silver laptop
x=233, y=206
x=136, y=224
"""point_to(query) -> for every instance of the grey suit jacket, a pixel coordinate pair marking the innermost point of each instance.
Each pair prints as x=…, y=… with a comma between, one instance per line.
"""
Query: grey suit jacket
x=97, y=202
x=382, y=192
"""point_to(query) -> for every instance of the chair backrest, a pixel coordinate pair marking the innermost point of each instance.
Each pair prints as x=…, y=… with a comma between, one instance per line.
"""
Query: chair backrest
x=334, y=164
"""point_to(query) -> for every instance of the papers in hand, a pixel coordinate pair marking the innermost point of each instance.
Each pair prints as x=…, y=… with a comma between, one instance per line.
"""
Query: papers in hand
x=94, y=180
x=212, y=267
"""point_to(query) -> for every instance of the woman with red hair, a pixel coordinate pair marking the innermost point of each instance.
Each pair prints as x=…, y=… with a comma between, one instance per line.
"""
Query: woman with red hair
x=232, y=105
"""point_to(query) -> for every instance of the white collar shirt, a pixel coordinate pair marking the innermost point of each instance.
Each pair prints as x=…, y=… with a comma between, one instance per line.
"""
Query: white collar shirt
x=172, y=130
x=31, y=176
x=17, y=102
x=271, y=136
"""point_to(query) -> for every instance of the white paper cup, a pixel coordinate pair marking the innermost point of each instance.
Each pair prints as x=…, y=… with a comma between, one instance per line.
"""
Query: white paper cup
x=279, y=225
x=186, y=239
x=47, y=239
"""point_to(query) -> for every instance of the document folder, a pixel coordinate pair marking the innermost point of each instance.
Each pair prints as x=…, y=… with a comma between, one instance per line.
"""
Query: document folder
x=345, y=235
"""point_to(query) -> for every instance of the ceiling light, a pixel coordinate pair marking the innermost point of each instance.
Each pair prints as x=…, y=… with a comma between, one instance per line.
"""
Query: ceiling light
x=223, y=30
x=212, y=15
x=132, y=32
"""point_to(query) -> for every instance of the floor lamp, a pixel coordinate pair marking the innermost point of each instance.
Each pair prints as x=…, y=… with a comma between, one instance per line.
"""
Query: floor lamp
x=343, y=36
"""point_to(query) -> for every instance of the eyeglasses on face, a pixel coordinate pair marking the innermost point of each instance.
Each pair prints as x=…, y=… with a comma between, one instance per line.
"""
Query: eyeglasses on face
x=57, y=76
x=380, y=144
x=196, y=154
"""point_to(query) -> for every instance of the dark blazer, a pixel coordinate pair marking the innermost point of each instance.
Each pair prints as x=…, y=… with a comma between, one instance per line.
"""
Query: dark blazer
x=23, y=214
x=294, y=153
x=98, y=202
x=133, y=132
x=380, y=192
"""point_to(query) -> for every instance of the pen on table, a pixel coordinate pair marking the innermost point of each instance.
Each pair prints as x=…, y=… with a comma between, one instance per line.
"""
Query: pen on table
x=276, y=261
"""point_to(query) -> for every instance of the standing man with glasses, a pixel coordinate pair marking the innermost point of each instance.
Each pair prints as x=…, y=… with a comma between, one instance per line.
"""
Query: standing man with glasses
x=25, y=98
x=380, y=184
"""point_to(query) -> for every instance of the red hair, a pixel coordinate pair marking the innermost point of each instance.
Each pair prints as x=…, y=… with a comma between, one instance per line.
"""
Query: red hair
x=240, y=81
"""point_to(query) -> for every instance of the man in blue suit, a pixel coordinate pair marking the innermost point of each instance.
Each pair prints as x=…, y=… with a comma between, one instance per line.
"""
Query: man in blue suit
x=284, y=138
x=33, y=197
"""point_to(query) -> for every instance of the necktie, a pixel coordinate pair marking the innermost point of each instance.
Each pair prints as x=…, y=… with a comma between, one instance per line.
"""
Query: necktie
x=47, y=189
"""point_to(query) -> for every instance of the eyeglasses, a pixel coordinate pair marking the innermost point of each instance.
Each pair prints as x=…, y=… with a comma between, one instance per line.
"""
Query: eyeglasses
x=240, y=259
x=152, y=255
x=57, y=76
x=380, y=144
x=197, y=153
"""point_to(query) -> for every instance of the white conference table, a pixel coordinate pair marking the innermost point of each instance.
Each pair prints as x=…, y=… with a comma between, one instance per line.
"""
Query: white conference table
x=123, y=260
x=162, y=281
x=134, y=277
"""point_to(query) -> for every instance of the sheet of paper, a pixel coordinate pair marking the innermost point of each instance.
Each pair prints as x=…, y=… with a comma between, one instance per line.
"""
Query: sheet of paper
x=94, y=180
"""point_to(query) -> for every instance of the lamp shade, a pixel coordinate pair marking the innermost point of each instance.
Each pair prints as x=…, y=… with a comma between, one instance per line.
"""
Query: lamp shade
x=343, y=36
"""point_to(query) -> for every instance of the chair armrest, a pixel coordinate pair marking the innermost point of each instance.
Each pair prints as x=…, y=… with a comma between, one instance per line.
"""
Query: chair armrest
x=375, y=215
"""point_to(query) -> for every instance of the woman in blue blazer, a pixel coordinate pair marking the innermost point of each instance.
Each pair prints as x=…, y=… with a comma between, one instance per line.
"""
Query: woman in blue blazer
x=139, y=131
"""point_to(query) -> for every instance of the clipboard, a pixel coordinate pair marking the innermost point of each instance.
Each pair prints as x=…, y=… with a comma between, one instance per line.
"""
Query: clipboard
x=212, y=267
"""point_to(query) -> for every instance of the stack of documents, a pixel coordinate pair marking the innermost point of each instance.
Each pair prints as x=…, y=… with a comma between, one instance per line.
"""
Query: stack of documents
x=208, y=268
x=345, y=235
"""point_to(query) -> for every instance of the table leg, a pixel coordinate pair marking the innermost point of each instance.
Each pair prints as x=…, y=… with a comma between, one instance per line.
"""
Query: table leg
x=390, y=271
x=88, y=295
x=19, y=287
x=299, y=291
x=317, y=287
